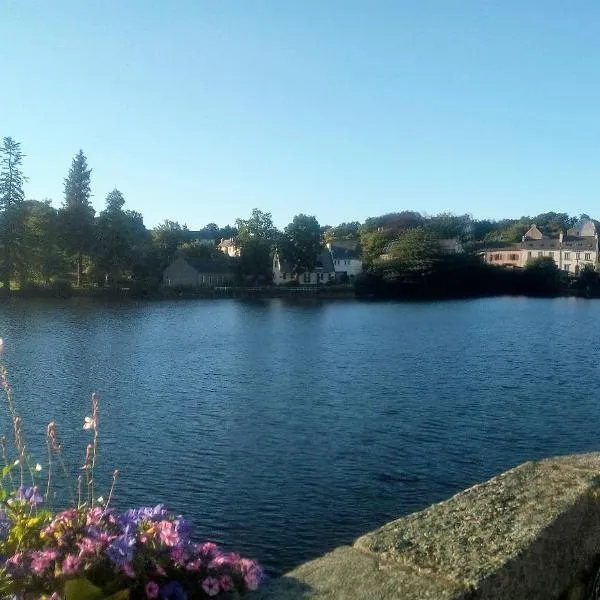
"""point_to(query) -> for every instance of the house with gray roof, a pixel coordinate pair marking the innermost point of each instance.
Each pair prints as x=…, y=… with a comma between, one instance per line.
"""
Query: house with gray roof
x=346, y=258
x=323, y=271
x=204, y=272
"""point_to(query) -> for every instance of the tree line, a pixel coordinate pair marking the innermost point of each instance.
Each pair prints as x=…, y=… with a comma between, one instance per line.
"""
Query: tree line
x=74, y=245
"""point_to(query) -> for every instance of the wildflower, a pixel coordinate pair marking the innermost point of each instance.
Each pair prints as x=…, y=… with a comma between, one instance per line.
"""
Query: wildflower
x=87, y=547
x=70, y=565
x=121, y=550
x=151, y=590
x=127, y=568
x=211, y=586
x=29, y=494
x=173, y=591
x=38, y=467
x=226, y=583
x=41, y=559
x=194, y=565
x=167, y=533
x=55, y=596
x=208, y=549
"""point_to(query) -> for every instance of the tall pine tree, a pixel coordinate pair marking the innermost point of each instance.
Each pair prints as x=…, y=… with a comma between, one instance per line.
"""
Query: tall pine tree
x=77, y=213
x=12, y=199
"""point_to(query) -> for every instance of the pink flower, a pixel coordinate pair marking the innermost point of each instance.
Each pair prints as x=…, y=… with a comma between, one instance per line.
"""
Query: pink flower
x=211, y=586
x=252, y=579
x=41, y=559
x=152, y=590
x=70, y=565
x=55, y=596
x=178, y=555
x=226, y=583
x=194, y=565
x=128, y=570
x=87, y=547
x=16, y=560
x=94, y=516
x=159, y=570
x=208, y=548
x=167, y=533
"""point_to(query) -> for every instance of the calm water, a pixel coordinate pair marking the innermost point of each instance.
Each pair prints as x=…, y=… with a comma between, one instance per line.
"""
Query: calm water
x=284, y=429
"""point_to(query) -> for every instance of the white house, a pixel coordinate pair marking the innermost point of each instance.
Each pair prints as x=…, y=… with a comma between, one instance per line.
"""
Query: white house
x=346, y=261
x=323, y=272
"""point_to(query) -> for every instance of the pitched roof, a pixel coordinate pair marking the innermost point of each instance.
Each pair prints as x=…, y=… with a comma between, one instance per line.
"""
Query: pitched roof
x=324, y=263
x=339, y=252
x=208, y=265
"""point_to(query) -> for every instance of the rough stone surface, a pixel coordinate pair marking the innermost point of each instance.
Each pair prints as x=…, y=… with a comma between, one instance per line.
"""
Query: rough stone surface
x=348, y=574
x=529, y=533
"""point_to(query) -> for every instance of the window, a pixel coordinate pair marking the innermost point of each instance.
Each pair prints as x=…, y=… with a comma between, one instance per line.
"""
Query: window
x=513, y=257
x=551, y=254
x=540, y=254
x=529, y=254
x=321, y=276
x=577, y=255
x=588, y=256
x=306, y=277
x=567, y=267
x=567, y=255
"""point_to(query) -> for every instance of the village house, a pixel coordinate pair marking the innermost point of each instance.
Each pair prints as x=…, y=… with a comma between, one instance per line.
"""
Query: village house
x=229, y=247
x=346, y=260
x=323, y=272
x=571, y=252
x=205, y=272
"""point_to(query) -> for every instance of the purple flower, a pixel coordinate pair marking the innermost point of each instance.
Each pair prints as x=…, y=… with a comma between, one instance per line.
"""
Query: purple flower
x=121, y=550
x=211, y=586
x=30, y=494
x=172, y=591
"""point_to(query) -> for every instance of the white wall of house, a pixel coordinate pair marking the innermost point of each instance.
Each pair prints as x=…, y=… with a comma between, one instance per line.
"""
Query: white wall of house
x=351, y=266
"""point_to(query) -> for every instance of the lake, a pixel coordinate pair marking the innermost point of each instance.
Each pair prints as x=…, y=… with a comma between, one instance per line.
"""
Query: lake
x=283, y=429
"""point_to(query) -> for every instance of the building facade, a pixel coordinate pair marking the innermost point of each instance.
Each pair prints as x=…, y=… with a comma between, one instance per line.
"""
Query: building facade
x=346, y=260
x=571, y=252
x=323, y=272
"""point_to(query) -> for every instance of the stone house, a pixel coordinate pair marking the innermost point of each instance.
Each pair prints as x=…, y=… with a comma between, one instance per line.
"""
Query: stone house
x=322, y=273
x=229, y=247
x=206, y=272
x=571, y=252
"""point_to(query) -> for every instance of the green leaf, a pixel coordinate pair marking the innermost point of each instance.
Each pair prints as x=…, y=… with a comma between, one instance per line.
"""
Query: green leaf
x=82, y=589
x=6, y=470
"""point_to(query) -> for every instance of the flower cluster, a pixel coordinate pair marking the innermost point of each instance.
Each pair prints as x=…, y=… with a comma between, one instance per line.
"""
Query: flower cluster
x=146, y=551
x=90, y=550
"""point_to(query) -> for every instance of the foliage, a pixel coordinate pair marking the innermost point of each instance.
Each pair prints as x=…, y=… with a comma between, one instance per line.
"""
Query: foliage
x=343, y=231
x=91, y=551
x=12, y=198
x=256, y=239
x=301, y=244
x=77, y=214
x=416, y=250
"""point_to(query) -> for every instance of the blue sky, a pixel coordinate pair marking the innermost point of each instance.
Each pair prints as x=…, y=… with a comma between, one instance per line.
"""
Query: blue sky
x=199, y=111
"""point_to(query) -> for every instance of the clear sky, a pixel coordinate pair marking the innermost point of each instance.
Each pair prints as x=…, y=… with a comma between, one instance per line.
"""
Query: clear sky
x=199, y=111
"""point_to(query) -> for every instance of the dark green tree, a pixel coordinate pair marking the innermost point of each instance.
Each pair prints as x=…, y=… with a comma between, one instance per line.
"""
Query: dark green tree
x=166, y=239
x=44, y=259
x=120, y=239
x=77, y=213
x=416, y=251
x=256, y=239
x=343, y=231
x=12, y=198
x=301, y=243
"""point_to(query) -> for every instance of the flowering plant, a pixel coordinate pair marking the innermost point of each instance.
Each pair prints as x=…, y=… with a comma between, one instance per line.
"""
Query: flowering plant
x=89, y=550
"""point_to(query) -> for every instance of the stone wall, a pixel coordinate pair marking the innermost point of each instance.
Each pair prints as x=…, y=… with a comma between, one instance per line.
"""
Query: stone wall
x=532, y=532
